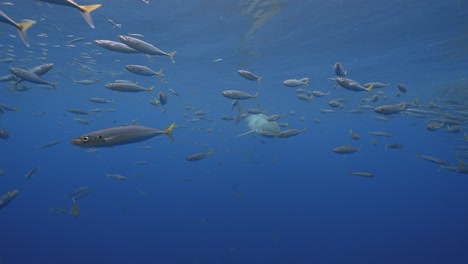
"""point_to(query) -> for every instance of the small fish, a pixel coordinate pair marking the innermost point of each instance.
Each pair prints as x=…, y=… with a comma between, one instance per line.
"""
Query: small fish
x=381, y=134
x=29, y=76
x=339, y=70
x=376, y=84
x=145, y=47
x=238, y=95
x=199, y=156
x=173, y=92
x=85, y=10
x=354, y=135
x=352, y=85
x=115, y=46
x=345, y=149
x=289, y=133
x=274, y=117
x=6, y=198
x=295, y=82
x=433, y=159
x=249, y=76
x=4, y=134
x=116, y=176
x=363, y=174
x=319, y=93
x=78, y=111
x=98, y=100
x=49, y=144
x=143, y=70
x=31, y=172
x=127, y=87
x=77, y=191
x=115, y=25
x=434, y=126
x=402, y=87
x=21, y=27
x=393, y=146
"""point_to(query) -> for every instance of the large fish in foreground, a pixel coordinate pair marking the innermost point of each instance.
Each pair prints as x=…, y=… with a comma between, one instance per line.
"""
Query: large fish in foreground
x=120, y=136
x=21, y=27
x=85, y=10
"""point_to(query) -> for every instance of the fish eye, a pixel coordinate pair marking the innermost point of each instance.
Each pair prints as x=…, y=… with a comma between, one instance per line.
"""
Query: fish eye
x=85, y=139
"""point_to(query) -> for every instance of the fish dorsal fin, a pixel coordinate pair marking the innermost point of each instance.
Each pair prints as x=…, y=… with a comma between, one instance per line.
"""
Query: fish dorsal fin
x=246, y=133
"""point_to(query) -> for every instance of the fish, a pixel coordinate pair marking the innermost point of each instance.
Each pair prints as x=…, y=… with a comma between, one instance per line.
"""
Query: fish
x=75, y=209
x=290, y=132
x=121, y=135
x=392, y=109
x=77, y=191
x=78, y=111
x=143, y=70
x=145, y=47
x=31, y=173
x=352, y=85
x=162, y=98
x=99, y=100
x=238, y=95
x=402, y=87
x=319, y=93
x=199, y=156
x=275, y=117
x=116, y=176
x=29, y=76
x=22, y=27
x=249, y=76
x=433, y=159
x=127, y=87
x=85, y=10
x=339, y=70
x=393, y=146
x=354, y=135
x=6, y=198
x=363, y=174
x=381, y=134
x=42, y=69
x=376, y=84
x=115, y=46
x=434, y=126
x=49, y=144
x=345, y=149
x=4, y=134
x=295, y=82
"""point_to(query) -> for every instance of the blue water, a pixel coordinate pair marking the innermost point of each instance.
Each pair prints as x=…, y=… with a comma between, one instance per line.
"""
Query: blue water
x=256, y=199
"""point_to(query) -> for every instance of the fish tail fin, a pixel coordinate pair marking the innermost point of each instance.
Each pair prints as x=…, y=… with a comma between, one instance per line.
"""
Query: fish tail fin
x=307, y=82
x=255, y=95
x=160, y=73
x=466, y=136
x=54, y=85
x=462, y=164
x=240, y=112
x=416, y=101
x=86, y=12
x=150, y=90
x=22, y=28
x=368, y=89
x=168, y=131
x=171, y=56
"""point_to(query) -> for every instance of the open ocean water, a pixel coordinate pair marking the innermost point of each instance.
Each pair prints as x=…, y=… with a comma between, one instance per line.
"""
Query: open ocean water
x=252, y=199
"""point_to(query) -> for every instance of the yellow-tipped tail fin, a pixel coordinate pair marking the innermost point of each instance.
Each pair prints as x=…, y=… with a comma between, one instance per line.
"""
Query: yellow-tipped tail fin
x=169, y=131
x=86, y=12
x=171, y=56
x=22, y=28
x=368, y=89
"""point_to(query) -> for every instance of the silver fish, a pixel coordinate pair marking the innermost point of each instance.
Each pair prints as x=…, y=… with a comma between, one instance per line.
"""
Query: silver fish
x=122, y=135
x=114, y=46
x=29, y=76
x=143, y=70
x=249, y=76
x=127, y=87
x=352, y=85
x=145, y=47
x=238, y=95
x=339, y=70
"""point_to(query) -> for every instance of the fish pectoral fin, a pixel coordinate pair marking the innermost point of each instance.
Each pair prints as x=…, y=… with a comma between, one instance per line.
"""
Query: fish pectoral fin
x=109, y=138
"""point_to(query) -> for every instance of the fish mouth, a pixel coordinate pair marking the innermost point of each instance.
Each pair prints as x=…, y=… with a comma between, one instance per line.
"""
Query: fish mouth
x=76, y=142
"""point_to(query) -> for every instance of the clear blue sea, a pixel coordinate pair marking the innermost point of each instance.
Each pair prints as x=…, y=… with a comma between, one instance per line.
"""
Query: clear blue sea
x=253, y=199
